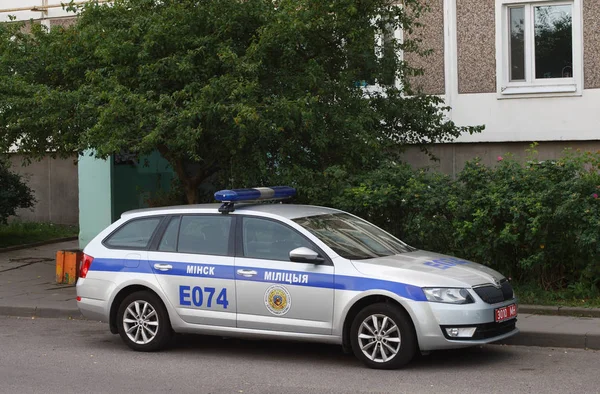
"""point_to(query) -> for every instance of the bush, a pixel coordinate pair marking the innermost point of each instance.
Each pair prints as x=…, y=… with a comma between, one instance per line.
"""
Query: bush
x=14, y=193
x=536, y=222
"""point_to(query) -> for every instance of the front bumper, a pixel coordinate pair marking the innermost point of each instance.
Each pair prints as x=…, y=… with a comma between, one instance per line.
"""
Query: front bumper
x=483, y=331
x=433, y=319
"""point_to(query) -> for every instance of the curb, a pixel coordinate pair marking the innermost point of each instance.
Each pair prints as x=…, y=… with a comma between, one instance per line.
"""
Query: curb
x=33, y=311
x=559, y=340
x=41, y=243
x=559, y=311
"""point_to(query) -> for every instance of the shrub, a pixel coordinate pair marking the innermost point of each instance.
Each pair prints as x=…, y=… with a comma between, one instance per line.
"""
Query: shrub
x=14, y=193
x=537, y=221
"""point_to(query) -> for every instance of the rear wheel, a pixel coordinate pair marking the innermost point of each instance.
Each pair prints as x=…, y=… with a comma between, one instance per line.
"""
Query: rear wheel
x=143, y=322
x=383, y=337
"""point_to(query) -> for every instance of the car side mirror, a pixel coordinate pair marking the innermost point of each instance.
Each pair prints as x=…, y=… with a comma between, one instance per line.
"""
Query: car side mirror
x=305, y=255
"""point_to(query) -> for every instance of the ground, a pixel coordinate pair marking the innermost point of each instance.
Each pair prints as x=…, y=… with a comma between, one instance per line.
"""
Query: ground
x=74, y=356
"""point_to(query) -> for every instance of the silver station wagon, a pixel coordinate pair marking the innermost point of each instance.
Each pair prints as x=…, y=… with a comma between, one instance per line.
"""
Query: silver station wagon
x=246, y=267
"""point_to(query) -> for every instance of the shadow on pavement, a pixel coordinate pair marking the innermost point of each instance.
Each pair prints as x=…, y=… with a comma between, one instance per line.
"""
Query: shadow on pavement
x=192, y=346
x=328, y=354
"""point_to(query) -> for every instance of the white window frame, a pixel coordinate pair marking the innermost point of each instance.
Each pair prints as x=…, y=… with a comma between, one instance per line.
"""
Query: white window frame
x=398, y=35
x=533, y=87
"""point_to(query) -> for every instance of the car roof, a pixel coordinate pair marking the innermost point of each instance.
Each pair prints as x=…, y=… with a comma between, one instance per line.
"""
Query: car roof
x=288, y=211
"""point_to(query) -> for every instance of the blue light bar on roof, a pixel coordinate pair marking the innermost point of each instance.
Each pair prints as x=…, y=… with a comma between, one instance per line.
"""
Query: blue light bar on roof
x=257, y=193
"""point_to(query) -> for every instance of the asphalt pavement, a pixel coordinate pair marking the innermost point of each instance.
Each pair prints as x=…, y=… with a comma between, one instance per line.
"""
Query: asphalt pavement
x=28, y=289
x=75, y=356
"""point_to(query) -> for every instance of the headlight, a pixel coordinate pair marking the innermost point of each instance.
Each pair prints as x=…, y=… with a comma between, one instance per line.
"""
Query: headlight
x=448, y=296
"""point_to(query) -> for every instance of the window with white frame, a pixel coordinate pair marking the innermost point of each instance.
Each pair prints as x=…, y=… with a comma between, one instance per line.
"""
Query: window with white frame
x=541, y=47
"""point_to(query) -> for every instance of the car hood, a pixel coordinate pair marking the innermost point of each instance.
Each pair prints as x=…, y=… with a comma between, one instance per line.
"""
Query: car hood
x=422, y=268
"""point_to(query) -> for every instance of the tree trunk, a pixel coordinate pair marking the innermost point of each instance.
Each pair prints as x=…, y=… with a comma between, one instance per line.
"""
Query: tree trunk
x=190, y=183
x=191, y=191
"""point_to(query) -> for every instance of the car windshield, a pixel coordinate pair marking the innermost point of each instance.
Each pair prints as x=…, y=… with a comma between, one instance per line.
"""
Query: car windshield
x=352, y=237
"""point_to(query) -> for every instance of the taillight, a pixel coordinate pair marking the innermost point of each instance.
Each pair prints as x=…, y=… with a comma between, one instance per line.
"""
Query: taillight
x=85, y=266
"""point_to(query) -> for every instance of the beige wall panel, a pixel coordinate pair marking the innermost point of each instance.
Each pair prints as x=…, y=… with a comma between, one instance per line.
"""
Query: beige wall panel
x=476, y=43
x=432, y=36
x=591, y=43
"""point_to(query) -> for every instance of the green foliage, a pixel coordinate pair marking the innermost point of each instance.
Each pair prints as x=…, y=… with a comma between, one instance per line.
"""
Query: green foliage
x=22, y=233
x=14, y=193
x=234, y=93
x=535, y=222
x=578, y=295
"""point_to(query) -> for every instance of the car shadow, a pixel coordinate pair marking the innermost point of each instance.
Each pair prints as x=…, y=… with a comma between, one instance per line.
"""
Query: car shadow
x=293, y=351
x=191, y=346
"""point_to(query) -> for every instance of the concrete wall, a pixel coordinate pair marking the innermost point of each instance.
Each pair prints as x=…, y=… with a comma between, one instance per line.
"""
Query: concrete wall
x=54, y=183
x=454, y=156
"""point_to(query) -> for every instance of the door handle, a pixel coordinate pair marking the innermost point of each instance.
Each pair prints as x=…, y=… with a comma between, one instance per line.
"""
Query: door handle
x=247, y=273
x=163, y=267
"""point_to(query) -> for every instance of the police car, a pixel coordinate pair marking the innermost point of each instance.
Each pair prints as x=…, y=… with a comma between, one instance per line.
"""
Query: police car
x=247, y=268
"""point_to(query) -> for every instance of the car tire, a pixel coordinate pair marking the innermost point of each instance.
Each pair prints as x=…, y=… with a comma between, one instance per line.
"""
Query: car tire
x=389, y=344
x=143, y=322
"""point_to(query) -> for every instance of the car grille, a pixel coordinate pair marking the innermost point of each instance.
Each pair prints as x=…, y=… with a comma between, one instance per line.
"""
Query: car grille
x=485, y=331
x=494, y=295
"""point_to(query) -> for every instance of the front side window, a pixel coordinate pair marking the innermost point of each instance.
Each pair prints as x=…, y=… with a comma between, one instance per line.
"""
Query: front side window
x=205, y=234
x=269, y=240
x=135, y=234
x=351, y=237
x=540, y=55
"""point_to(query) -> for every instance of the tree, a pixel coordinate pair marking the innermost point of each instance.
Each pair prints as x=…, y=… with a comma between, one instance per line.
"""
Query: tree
x=243, y=92
x=14, y=193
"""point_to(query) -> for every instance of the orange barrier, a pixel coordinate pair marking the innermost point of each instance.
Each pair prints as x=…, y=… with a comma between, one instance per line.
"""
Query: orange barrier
x=67, y=266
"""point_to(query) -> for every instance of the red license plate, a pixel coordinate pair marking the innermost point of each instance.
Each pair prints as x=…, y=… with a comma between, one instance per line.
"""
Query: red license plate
x=506, y=313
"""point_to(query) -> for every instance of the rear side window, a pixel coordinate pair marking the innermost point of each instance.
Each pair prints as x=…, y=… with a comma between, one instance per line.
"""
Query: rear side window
x=135, y=234
x=205, y=235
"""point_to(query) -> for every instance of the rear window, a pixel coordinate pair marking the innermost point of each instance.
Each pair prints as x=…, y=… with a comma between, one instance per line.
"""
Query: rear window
x=135, y=234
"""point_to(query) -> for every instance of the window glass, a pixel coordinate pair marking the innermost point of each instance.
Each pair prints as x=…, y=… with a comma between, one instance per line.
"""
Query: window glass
x=205, y=235
x=269, y=240
x=168, y=243
x=553, y=41
x=517, y=43
x=351, y=237
x=135, y=234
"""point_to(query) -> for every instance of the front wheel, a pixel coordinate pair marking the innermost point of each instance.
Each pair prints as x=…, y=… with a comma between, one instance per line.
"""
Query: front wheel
x=143, y=322
x=383, y=337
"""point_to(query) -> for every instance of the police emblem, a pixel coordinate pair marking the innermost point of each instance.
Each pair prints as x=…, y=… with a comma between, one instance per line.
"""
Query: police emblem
x=278, y=300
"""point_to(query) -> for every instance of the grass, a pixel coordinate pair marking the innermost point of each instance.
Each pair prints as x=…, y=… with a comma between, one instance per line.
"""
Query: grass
x=535, y=295
x=21, y=233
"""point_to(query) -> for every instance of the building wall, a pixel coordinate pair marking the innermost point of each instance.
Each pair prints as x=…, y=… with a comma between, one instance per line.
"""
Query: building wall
x=476, y=101
x=463, y=36
x=452, y=157
x=54, y=184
